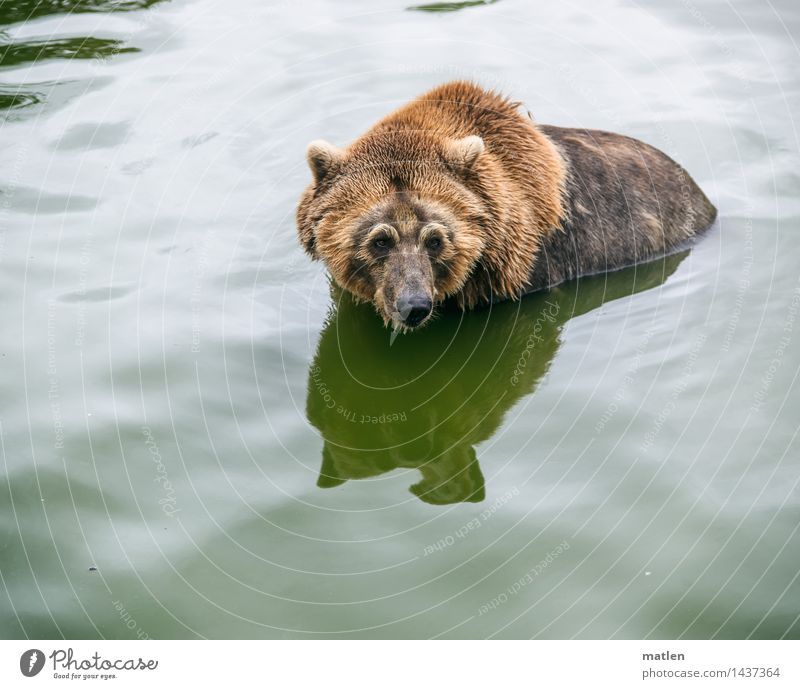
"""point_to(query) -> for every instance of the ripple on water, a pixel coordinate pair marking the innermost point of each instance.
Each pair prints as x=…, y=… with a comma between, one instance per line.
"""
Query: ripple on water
x=21, y=100
x=36, y=201
x=25, y=10
x=24, y=101
x=79, y=48
x=13, y=98
x=450, y=6
x=100, y=294
x=90, y=136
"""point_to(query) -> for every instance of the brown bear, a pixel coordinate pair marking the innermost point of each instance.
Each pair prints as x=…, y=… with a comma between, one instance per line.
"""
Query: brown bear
x=460, y=196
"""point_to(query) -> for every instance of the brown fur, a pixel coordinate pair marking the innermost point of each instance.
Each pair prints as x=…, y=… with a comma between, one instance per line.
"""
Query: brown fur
x=510, y=206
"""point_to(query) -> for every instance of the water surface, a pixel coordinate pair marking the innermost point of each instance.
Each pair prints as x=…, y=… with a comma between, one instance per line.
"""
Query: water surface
x=240, y=452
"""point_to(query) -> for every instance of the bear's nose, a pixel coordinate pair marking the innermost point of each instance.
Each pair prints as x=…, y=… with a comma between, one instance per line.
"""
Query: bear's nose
x=414, y=309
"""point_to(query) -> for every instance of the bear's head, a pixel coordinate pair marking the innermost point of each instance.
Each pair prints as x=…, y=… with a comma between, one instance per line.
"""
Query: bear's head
x=397, y=219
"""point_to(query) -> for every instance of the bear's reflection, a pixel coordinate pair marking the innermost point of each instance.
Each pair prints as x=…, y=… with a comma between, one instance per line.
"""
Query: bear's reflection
x=424, y=400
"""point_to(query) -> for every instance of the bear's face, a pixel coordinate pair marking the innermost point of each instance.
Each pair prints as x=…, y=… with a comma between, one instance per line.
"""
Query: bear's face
x=395, y=223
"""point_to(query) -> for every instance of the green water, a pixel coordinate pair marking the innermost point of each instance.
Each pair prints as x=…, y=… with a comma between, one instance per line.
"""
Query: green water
x=199, y=439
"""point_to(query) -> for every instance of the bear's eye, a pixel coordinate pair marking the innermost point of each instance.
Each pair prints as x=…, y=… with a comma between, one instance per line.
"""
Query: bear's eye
x=434, y=244
x=380, y=243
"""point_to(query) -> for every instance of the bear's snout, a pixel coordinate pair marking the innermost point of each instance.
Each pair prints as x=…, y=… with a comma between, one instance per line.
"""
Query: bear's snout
x=414, y=308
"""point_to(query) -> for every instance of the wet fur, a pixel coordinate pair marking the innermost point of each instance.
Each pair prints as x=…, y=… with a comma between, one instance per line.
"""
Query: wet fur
x=533, y=206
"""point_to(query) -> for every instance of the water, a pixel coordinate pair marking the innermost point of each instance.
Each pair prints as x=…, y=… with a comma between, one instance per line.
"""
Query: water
x=616, y=458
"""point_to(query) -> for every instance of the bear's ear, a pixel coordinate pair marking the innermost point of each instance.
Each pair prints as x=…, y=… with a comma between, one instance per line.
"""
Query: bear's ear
x=323, y=158
x=462, y=153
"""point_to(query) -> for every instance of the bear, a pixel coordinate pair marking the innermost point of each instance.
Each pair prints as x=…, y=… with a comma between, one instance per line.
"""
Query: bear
x=459, y=197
